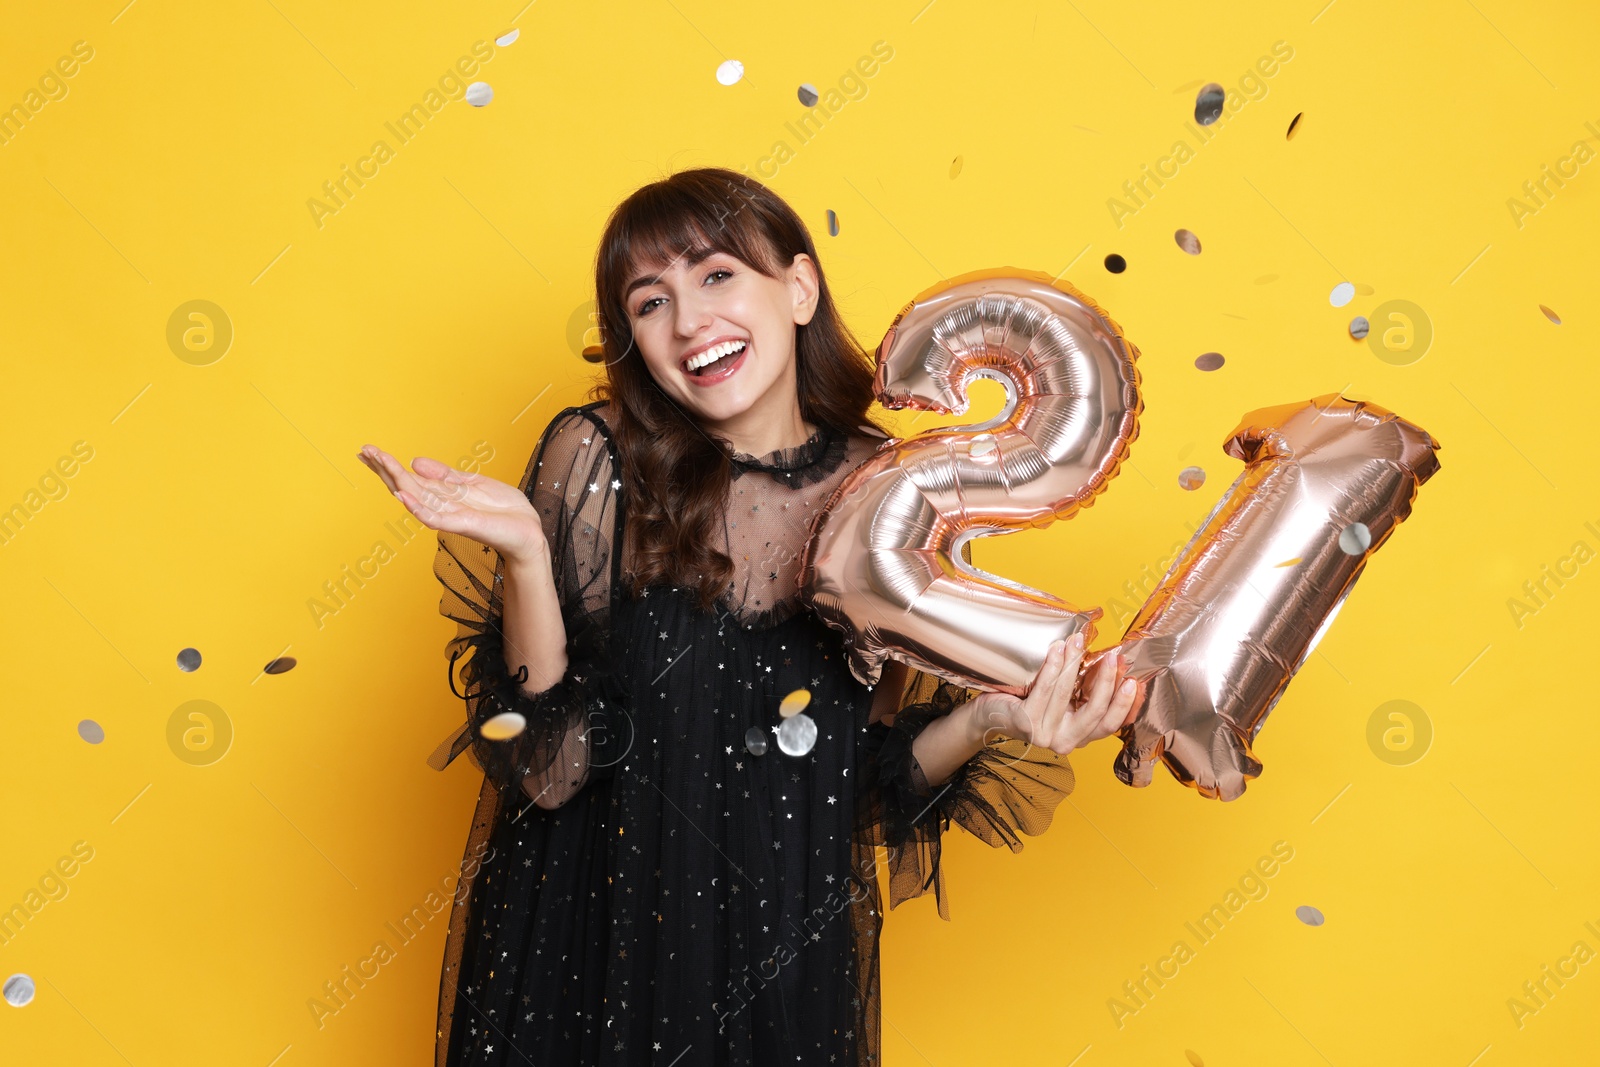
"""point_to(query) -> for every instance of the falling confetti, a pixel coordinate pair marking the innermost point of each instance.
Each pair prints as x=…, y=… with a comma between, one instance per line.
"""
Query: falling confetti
x=755, y=742
x=508, y=38
x=1116, y=264
x=1193, y=1058
x=1551, y=315
x=189, y=659
x=1308, y=915
x=1209, y=360
x=1359, y=327
x=91, y=731
x=808, y=94
x=1208, y=105
x=479, y=94
x=1342, y=294
x=1294, y=124
x=1289, y=562
x=955, y=166
x=981, y=446
x=833, y=224
x=1355, y=539
x=1191, y=478
x=1188, y=242
x=1362, y=289
x=19, y=990
x=794, y=703
x=729, y=71
x=1266, y=279
x=504, y=726
x=797, y=734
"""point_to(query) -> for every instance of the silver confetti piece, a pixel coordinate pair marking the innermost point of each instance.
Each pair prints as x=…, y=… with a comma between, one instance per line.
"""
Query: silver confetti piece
x=19, y=990
x=1308, y=915
x=755, y=741
x=91, y=731
x=797, y=734
x=189, y=659
x=479, y=94
x=1355, y=539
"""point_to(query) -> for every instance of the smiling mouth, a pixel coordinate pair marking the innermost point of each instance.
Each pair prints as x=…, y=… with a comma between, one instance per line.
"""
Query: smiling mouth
x=726, y=356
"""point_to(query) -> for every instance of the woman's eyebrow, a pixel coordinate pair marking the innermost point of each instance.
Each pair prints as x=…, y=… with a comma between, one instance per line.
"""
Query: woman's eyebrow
x=693, y=258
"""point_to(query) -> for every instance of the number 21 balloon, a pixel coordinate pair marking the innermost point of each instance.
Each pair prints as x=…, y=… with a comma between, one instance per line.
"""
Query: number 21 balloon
x=1215, y=645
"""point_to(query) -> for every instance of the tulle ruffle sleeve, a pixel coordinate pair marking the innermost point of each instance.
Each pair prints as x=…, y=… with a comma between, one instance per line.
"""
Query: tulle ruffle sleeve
x=1008, y=788
x=574, y=485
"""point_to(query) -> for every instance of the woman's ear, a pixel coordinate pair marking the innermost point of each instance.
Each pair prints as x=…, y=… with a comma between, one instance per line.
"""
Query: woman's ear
x=803, y=284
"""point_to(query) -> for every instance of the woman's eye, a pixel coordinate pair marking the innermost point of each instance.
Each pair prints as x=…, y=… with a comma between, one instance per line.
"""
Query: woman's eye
x=649, y=305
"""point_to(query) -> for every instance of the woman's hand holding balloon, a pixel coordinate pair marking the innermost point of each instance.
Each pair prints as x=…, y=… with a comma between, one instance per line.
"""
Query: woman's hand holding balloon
x=443, y=498
x=1045, y=716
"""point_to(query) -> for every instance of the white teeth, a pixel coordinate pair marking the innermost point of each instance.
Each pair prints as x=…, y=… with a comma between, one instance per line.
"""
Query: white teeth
x=711, y=355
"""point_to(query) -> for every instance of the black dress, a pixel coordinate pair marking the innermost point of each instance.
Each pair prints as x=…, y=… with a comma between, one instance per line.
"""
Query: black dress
x=675, y=897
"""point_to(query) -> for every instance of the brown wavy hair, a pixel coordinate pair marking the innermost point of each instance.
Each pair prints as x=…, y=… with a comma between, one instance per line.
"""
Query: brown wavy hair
x=677, y=476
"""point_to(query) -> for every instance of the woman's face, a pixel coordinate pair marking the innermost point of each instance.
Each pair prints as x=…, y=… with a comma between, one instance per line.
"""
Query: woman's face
x=688, y=309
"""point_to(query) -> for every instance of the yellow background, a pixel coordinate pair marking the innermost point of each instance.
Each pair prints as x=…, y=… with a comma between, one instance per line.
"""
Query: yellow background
x=434, y=312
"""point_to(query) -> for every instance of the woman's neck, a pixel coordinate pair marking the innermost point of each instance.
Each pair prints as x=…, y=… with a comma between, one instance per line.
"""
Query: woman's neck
x=755, y=437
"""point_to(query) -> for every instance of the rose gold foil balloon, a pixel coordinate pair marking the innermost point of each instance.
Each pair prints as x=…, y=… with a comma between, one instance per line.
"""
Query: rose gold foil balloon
x=884, y=562
x=1218, y=640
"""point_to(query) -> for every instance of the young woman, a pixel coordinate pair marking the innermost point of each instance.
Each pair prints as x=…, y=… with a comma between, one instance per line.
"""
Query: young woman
x=652, y=879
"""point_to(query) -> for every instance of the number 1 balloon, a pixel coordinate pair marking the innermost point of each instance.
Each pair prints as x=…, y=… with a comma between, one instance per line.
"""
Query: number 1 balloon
x=1325, y=483
x=1234, y=618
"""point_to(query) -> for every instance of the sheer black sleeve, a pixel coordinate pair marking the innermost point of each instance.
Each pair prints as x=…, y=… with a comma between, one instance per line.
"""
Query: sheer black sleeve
x=1008, y=787
x=573, y=483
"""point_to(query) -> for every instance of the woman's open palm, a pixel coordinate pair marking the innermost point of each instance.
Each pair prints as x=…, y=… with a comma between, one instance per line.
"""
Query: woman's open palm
x=1045, y=716
x=443, y=498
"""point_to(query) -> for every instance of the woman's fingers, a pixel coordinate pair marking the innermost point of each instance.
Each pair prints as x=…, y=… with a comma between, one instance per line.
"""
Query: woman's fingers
x=431, y=492
x=1058, y=691
x=1122, y=700
x=1092, y=711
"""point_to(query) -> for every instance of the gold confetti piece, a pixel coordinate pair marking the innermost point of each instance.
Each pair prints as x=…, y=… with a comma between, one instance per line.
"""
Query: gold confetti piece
x=955, y=166
x=1294, y=124
x=1551, y=315
x=1188, y=242
x=1266, y=278
x=1289, y=562
x=1191, y=478
x=794, y=703
x=1364, y=290
x=1194, y=1058
x=504, y=726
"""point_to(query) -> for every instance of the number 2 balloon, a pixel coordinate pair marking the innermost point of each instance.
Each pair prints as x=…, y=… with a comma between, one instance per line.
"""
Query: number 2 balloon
x=1215, y=645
